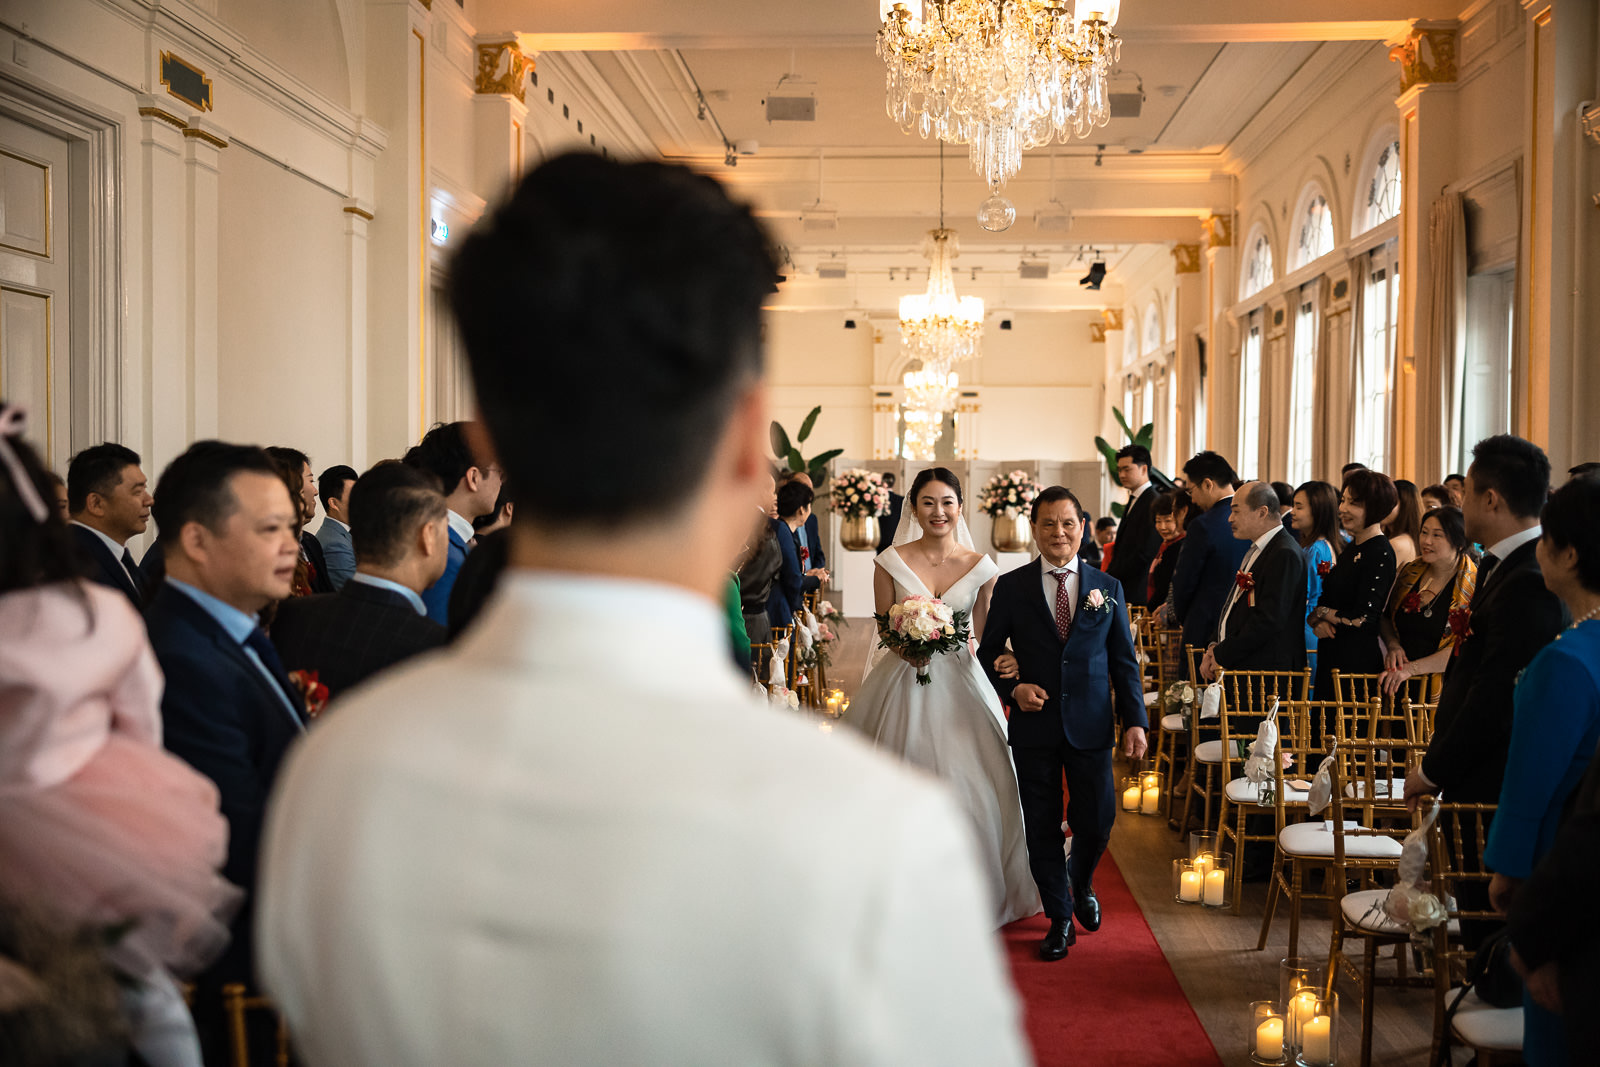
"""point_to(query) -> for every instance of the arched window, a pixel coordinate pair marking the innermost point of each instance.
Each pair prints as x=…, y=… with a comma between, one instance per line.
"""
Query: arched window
x=1250, y=398
x=1258, y=273
x=1381, y=192
x=1152, y=330
x=1314, y=235
x=1302, y=388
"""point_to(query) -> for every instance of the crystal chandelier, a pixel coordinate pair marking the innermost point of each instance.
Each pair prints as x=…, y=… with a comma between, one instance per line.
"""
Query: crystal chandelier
x=936, y=326
x=928, y=390
x=923, y=430
x=999, y=76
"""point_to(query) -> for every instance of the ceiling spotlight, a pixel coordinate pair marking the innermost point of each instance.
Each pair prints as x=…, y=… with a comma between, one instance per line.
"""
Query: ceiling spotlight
x=1096, y=275
x=730, y=158
x=1099, y=151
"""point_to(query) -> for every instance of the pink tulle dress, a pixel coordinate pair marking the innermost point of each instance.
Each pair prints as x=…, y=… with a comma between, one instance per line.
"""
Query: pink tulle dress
x=99, y=825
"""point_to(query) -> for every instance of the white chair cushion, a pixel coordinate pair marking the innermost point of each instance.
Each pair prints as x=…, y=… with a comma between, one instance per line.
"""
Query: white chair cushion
x=1316, y=839
x=1364, y=911
x=1152, y=697
x=1208, y=752
x=1480, y=1026
x=1244, y=791
x=1394, y=787
x=1172, y=723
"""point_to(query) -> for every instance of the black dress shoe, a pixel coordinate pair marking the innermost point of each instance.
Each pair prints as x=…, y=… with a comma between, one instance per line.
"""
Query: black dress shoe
x=1086, y=909
x=1061, y=937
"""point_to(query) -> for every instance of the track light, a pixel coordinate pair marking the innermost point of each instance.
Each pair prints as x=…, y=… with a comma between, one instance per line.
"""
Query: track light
x=1096, y=275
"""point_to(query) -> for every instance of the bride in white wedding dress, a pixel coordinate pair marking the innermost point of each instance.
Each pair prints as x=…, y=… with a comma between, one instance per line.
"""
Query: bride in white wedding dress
x=953, y=727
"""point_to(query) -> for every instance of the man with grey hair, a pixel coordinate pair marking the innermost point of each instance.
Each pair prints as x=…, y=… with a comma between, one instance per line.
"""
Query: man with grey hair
x=1262, y=626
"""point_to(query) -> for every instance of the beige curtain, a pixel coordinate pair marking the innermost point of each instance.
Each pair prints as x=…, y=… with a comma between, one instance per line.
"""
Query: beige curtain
x=1341, y=369
x=1444, y=376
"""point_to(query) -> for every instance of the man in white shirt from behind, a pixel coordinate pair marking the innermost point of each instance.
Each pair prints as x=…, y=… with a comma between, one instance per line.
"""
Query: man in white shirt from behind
x=575, y=837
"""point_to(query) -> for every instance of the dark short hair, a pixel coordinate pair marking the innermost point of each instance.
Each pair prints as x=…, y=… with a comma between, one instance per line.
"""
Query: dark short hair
x=1104, y=523
x=196, y=487
x=1516, y=469
x=1581, y=469
x=387, y=505
x=1052, y=495
x=648, y=269
x=443, y=453
x=1374, y=491
x=330, y=485
x=889, y=479
x=97, y=469
x=1455, y=478
x=1453, y=524
x=1568, y=521
x=1285, y=493
x=1138, y=453
x=792, y=496
x=934, y=474
x=1438, y=491
x=1209, y=464
x=1348, y=467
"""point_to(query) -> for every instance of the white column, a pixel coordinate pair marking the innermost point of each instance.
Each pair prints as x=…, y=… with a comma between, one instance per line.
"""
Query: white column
x=357, y=214
x=165, y=269
x=204, y=141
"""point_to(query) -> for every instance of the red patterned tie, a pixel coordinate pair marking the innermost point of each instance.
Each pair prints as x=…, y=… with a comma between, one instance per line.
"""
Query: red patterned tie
x=1063, y=605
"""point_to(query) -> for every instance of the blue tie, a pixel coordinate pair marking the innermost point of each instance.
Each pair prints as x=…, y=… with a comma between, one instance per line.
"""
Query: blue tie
x=262, y=646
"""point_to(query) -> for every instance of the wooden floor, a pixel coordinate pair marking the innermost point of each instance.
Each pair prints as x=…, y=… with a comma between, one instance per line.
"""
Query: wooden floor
x=1213, y=953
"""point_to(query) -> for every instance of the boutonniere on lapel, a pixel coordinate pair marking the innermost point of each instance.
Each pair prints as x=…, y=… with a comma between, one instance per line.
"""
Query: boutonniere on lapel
x=1461, y=626
x=1324, y=567
x=1247, y=585
x=805, y=556
x=1097, y=602
x=312, y=691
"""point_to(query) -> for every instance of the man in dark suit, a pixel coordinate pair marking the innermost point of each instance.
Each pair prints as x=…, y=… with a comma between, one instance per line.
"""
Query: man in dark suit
x=470, y=487
x=397, y=526
x=109, y=503
x=797, y=576
x=815, y=557
x=333, y=489
x=1137, y=541
x=1211, y=555
x=1263, y=617
x=1077, y=676
x=296, y=468
x=228, y=708
x=889, y=523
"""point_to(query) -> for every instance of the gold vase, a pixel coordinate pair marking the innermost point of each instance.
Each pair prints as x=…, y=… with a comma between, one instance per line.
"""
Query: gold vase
x=859, y=533
x=1011, y=534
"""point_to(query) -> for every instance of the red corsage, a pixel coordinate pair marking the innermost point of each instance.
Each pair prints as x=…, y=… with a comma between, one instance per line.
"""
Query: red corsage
x=1461, y=626
x=1247, y=585
x=805, y=554
x=1412, y=603
x=1324, y=566
x=312, y=690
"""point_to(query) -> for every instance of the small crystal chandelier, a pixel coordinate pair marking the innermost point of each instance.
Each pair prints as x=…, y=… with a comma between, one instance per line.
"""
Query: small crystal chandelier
x=999, y=76
x=931, y=391
x=923, y=430
x=938, y=327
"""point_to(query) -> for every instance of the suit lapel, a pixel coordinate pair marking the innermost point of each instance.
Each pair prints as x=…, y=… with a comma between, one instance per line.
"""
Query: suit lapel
x=202, y=621
x=1485, y=593
x=1033, y=579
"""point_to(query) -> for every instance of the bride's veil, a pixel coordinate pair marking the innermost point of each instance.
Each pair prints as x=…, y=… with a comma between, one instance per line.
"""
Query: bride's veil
x=909, y=530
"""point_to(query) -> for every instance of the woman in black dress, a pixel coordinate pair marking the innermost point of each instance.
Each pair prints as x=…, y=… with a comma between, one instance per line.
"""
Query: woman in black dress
x=1416, y=629
x=1349, y=614
x=1169, y=516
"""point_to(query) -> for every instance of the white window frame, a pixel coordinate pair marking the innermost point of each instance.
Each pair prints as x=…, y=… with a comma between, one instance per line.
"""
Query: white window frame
x=1250, y=358
x=1303, y=386
x=1312, y=198
x=1259, y=269
x=1382, y=158
x=1375, y=359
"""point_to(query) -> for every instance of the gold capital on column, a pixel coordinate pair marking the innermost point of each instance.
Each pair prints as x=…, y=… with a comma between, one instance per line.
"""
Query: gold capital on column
x=1219, y=231
x=1427, y=55
x=1112, y=317
x=1186, y=259
x=1097, y=333
x=503, y=68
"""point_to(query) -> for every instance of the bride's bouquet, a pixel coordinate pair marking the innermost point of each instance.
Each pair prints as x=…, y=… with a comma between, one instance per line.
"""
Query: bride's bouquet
x=919, y=627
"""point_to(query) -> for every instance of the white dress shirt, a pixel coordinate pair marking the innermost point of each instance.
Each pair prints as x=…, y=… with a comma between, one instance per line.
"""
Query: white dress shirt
x=1050, y=582
x=460, y=525
x=556, y=843
x=1257, y=546
x=116, y=549
x=1507, y=545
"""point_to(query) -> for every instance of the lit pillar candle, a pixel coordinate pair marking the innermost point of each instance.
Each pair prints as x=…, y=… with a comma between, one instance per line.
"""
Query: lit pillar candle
x=1152, y=801
x=1269, y=1040
x=1130, y=798
x=1203, y=863
x=1189, y=887
x=1316, y=1040
x=1302, y=1008
x=1216, y=887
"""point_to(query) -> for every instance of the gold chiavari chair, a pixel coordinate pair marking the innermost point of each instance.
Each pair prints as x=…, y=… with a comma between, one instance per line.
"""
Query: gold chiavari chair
x=1246, y=699
x=1168, y=733
x=238, y=1004
x=1205, y=758
x=1494, y=1034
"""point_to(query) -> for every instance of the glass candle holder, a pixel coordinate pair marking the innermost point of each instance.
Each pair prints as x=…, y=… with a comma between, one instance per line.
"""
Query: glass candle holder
x=1317, y=1043
x=1214, y=886
x=1131, y=793
x=1299, y=978
x=1202, y=843
x=1188, y=886
x=1150, y=785
x=1266, y=1033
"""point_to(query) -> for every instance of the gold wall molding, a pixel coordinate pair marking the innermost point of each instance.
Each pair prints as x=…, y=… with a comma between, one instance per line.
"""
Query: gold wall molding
x=185, y=81
x=1186, y=259
x=1591, y=124
x=1112, y=317
x=1097, y=333
x=358, y=212
x=1219, y=231
x=164, y=116
x=1427, y=55
x=205, y=136
x=503, y=69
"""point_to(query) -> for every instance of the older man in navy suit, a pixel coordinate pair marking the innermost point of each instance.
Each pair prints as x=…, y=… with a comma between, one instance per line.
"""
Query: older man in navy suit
x=1067, y=624
x=229, y=710
x=1211, y=555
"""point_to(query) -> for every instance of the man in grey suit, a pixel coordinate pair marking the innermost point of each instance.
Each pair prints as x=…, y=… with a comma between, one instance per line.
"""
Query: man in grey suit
x=334, y=533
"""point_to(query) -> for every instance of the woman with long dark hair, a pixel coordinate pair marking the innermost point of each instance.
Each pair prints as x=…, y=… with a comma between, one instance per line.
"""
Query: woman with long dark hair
x=1314, y=517
x=101, y=830
x=1417, y=637
x=1403, y=527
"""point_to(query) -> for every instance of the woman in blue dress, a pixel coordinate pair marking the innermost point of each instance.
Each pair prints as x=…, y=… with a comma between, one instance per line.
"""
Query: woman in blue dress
x=1315, y=518
x=1555, y=729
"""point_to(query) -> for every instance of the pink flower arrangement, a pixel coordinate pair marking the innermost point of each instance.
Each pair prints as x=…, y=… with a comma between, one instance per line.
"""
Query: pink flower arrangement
x=1008, y=494
x=859, y=493
x=920, y=627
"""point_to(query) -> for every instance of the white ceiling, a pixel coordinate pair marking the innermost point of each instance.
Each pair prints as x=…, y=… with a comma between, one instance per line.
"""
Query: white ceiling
x=1220, y=78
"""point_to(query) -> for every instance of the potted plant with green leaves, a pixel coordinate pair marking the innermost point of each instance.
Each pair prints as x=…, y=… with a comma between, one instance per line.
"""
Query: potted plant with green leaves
x=788, y=453
x=1145, y=435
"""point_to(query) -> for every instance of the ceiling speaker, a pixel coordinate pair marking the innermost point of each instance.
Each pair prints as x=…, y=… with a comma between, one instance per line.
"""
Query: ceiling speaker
x=1126, y=105
x=791, y=109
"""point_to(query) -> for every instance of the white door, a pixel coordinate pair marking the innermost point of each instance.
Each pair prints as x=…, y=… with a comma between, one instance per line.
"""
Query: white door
x=35, y=318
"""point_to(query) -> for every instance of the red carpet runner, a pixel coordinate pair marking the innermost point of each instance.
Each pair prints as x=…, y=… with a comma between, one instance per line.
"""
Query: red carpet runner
x=1113, y=1002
